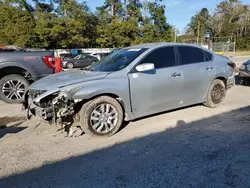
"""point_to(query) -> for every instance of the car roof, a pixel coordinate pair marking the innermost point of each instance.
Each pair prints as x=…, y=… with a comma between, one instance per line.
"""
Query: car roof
x=156, y=45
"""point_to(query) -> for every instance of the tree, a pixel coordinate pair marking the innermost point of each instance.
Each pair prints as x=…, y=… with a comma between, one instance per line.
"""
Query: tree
x=16, y=25
x=72, y=30
x=231, y=20
x=155, y=27
x=199, y=24
x=45, y=20
x=123, y=24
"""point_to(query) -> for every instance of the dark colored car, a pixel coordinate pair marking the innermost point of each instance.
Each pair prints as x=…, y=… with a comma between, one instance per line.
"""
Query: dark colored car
x=19, y=69
x=244, y=73
x=80, y=61
x=65, y=56
x=100, y=55
x=70, y=55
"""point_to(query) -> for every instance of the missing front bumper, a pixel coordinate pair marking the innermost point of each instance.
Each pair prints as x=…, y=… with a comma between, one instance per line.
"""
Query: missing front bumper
x=46, y=113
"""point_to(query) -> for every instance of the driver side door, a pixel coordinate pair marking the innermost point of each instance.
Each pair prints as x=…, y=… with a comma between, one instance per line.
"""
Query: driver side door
x=158, y=90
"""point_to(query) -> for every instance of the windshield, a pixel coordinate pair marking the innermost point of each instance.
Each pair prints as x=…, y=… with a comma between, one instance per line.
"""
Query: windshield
x=117, y=60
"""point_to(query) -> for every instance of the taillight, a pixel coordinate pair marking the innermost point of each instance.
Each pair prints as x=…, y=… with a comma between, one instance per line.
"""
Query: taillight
x=49, y=61
x=232, y=65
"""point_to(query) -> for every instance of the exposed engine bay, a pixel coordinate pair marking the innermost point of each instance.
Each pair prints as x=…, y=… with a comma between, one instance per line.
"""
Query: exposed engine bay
x=56, y=108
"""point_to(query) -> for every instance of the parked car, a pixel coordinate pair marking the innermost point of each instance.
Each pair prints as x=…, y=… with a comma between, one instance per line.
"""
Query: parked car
x=19, y=69
x=133, y=82
x=65, y=56
x=244, y=73
x=80, y=61
x=70, y=55
x=100, y=56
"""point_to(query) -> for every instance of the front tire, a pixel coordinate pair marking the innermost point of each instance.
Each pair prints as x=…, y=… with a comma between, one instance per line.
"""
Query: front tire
x=102, y=116
x=13, y=88
x=216, y=94
x=70, y=65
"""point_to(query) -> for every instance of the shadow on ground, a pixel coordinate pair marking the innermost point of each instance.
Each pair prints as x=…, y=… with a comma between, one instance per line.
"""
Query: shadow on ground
x=212, y=152
x=15, y=121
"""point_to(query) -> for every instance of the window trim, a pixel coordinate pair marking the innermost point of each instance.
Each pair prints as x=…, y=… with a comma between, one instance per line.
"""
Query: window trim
x=133, y=70
x=179, y=55
x=205, y=54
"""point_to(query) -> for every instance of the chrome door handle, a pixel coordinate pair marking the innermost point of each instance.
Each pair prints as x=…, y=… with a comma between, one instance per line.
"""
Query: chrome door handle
x=209, y=68
x=176, y=75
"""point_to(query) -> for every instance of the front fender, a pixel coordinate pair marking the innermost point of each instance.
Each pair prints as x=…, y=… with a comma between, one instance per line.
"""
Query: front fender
x=19, y=65
x=221, y=75
x=116, y=87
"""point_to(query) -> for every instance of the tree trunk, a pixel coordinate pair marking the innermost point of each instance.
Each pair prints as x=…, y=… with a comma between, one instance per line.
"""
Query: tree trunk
x=198, y=32
x=112, y=9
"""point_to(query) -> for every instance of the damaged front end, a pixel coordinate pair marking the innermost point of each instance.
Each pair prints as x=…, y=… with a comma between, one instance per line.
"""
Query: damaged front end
x=56, y=107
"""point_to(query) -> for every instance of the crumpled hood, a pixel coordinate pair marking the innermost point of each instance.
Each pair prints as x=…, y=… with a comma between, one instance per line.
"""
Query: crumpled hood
x=66, y=78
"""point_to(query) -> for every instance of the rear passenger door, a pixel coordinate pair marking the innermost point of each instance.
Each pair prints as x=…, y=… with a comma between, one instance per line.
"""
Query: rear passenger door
x=85, y=61
x=198, y=72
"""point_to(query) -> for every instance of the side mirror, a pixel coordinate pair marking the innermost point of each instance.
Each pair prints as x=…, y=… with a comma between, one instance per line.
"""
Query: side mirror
x=145, y=67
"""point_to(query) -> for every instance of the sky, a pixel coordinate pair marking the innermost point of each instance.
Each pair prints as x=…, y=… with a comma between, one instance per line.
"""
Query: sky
x=178, y=12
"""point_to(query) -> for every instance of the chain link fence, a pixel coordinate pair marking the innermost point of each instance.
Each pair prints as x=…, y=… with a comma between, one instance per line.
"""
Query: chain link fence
x=221, y=45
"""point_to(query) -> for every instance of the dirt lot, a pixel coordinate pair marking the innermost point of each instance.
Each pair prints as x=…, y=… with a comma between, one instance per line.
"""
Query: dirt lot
x=191, y=147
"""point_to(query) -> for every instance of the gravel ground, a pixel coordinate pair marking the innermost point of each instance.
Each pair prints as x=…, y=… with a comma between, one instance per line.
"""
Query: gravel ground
x=191, y=147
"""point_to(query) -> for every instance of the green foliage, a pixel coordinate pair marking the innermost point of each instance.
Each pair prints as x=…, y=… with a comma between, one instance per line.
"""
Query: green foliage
x=199, y=23
x=118, y=23
x=16, y=26
x=70, y=24
x=231, y=20
x=128, y=26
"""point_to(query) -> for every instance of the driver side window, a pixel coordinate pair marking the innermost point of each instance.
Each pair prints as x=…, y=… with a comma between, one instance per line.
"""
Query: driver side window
x=162, y=57
x=83, y=57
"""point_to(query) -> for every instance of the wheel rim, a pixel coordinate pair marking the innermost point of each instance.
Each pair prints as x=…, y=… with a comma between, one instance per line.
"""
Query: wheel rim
x=14, y=89
x=70, y=65
x=103, y=118
x=218, y=93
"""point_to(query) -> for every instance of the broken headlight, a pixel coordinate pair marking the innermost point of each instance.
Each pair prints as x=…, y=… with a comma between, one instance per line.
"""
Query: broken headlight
x=36, y=93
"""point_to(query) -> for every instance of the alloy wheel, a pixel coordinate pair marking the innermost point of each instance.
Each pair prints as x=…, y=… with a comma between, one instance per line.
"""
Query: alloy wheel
x=13, y=89
x=70, y=65
x=103, y=118
x=218, y=94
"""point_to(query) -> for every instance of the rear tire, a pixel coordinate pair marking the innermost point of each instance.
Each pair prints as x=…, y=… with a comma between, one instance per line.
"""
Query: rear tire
x=97, y=122
x=13, y=88
x=216, y=94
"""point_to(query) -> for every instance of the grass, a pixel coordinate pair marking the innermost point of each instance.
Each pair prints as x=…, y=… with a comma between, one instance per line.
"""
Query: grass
x=242, y=53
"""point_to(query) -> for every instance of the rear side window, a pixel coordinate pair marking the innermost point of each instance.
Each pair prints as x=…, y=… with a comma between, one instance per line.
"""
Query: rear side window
x=208, y=56
x=162, y=57
x=189, y=55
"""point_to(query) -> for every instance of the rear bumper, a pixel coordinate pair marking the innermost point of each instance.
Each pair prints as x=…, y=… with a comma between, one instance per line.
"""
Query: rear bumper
x=230, y=82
